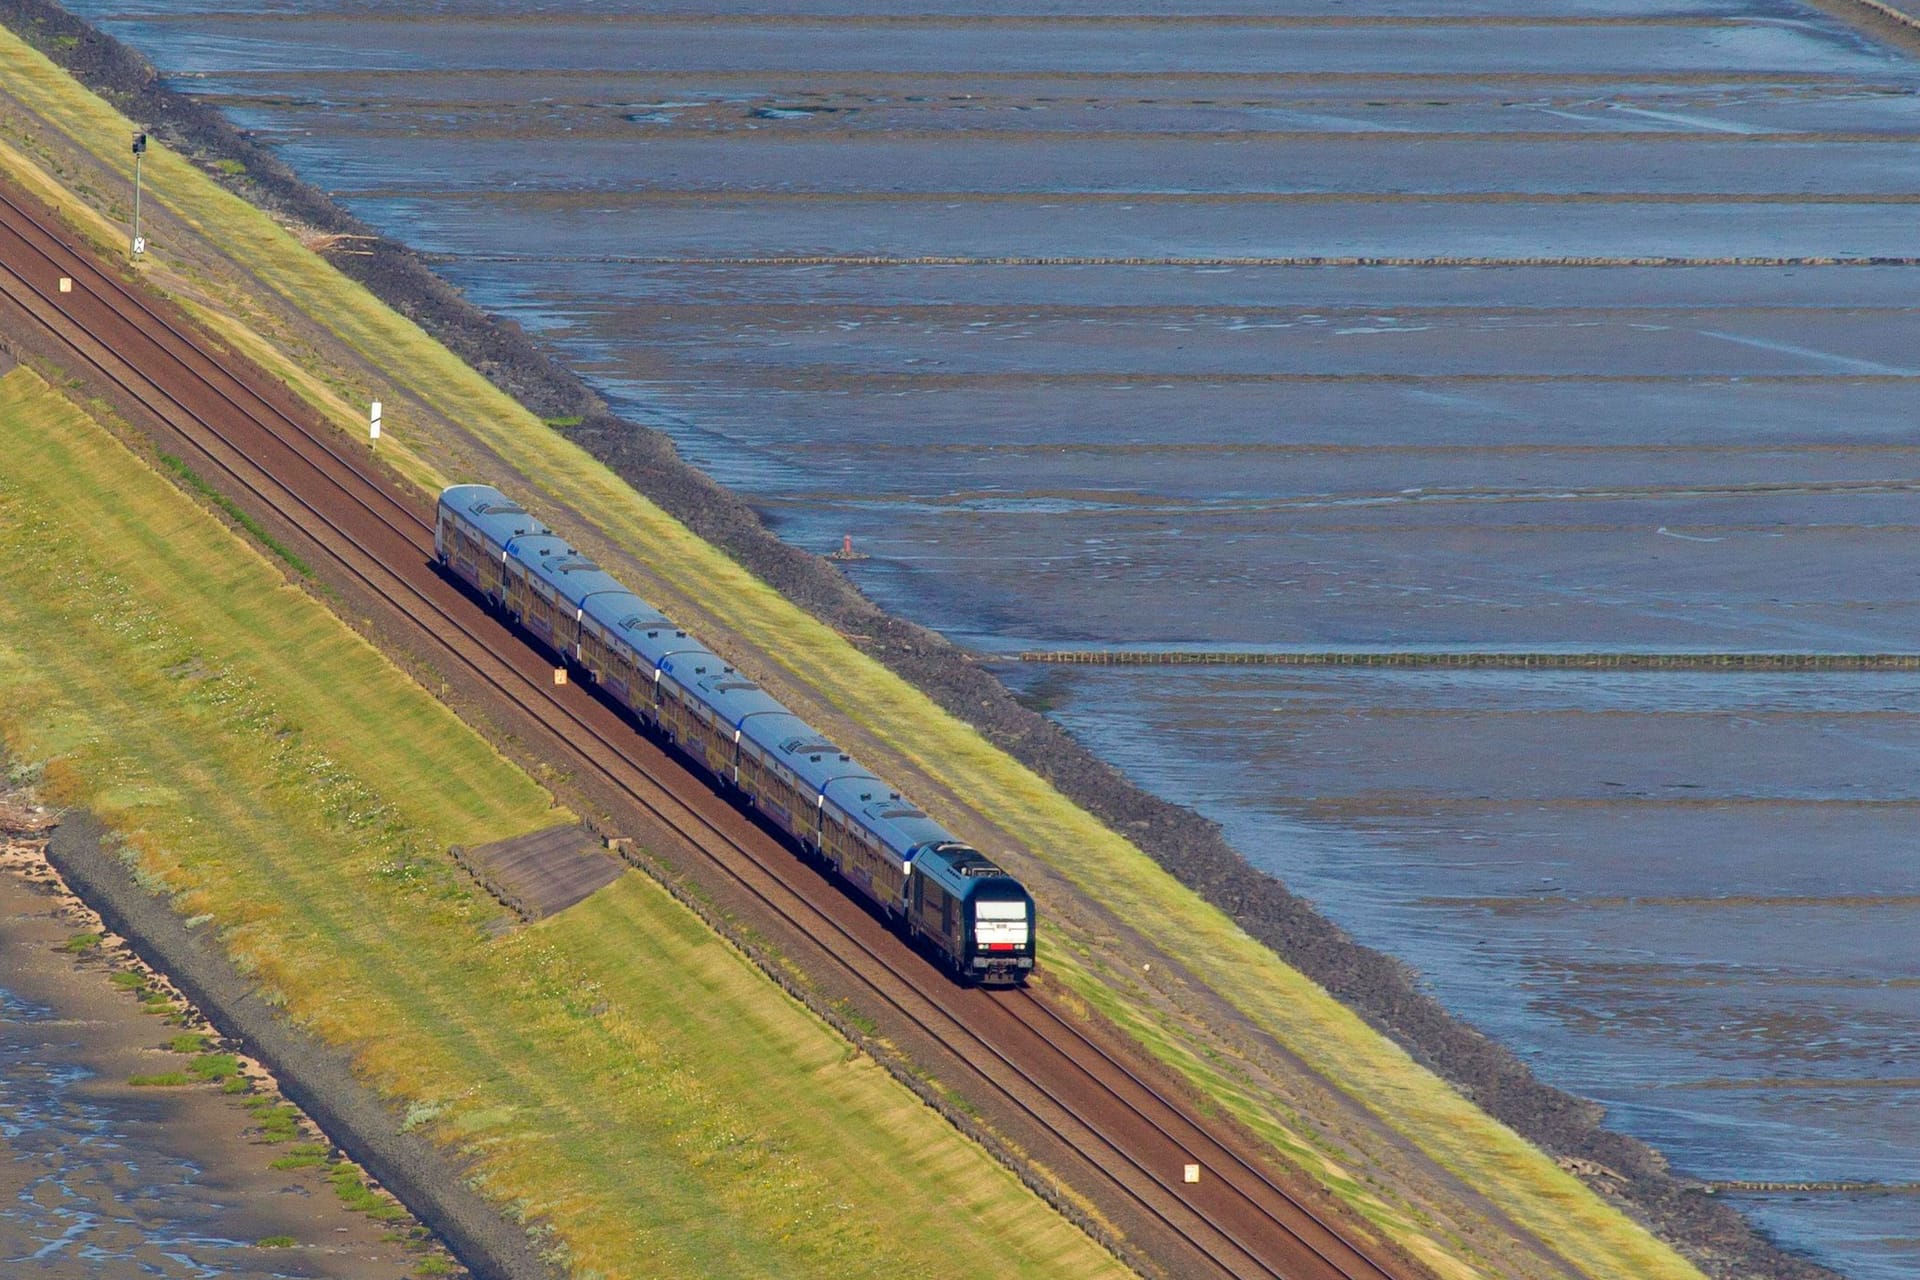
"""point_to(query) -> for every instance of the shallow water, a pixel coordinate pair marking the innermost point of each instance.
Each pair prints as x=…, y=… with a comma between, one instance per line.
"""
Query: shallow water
x=87, y=1194
x=806, y=248
x=1688, y=897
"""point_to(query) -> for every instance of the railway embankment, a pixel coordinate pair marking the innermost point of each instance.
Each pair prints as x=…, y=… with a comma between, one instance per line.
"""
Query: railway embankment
x=1382, y=992
x=282, y=796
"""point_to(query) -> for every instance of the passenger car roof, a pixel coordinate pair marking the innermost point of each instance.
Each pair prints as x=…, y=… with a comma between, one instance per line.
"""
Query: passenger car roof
x=894, y=820
x=492, y=512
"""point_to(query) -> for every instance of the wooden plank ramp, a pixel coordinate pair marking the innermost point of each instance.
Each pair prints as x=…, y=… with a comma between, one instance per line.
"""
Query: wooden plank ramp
x=539, y=874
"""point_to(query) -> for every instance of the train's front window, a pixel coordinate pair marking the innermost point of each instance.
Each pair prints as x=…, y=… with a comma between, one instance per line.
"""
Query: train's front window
x=1000, y=926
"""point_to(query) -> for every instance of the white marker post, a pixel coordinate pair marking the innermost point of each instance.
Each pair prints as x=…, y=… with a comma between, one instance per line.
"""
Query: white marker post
x=373, y=425
x=139, y=245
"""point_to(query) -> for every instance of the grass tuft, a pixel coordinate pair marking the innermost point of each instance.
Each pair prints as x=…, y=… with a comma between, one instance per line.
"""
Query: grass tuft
x=358, y=1197
x=298, y=1162
x=214, y=1066
x=278, y=1122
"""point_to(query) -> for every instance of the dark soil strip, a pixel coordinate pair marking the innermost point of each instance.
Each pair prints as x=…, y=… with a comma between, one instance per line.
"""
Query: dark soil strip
x=1492, y=660
x=1379, y=987
x=316, y=1078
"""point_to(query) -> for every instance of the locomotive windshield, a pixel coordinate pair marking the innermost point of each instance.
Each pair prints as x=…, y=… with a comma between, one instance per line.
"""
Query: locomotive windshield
x=1000, y=925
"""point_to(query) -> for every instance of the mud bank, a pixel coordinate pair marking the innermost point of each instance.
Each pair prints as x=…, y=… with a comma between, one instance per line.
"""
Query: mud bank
x=1380, y=988
x=314, y=1077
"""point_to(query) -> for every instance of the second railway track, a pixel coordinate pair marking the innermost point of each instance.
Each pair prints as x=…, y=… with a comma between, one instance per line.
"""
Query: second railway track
x=1129, y=1137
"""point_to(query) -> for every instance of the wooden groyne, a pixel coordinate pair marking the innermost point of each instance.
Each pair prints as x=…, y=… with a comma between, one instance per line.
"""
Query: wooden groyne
x=1843, y=1188
x=1480, y=660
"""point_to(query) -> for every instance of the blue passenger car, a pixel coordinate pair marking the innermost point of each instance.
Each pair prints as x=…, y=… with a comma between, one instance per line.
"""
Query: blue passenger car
x=915, y=871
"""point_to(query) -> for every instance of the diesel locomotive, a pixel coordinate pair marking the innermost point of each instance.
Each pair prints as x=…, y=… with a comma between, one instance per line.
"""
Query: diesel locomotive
x=932, y=886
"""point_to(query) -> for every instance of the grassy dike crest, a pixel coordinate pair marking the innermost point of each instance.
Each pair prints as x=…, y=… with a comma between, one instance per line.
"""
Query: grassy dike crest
x=447, y=422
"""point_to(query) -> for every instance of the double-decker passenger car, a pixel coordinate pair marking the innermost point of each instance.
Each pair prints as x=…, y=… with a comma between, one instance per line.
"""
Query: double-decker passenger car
x=976, y=917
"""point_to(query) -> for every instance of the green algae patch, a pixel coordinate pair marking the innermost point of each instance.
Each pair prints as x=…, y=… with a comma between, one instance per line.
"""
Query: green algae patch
x=617, y=1074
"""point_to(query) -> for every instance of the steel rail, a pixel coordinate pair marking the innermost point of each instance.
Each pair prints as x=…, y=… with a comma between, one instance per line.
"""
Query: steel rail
x=160, y=322
x=624, y=785
x=1232, y=1155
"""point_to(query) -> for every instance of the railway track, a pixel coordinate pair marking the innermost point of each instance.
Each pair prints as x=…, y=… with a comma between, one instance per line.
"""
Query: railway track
x=1130, y=1141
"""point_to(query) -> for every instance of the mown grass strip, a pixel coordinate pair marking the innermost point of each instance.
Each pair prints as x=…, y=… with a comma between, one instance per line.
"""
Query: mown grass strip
x=616, y=1072
x=1518, y=1179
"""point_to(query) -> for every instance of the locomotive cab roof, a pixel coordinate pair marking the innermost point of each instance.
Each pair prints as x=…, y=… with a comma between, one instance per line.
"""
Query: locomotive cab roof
x=967, y=873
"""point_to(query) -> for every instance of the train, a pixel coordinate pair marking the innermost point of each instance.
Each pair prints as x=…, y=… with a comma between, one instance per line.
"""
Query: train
x=930, y=886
